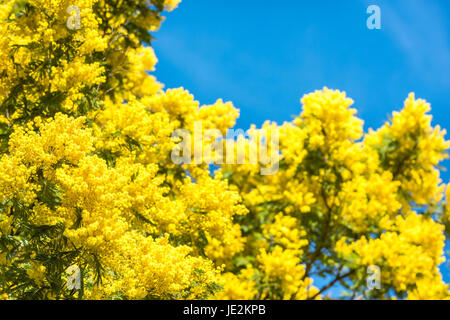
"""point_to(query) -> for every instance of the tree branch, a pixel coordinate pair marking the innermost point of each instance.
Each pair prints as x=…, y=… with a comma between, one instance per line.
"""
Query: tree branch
x=339, y=277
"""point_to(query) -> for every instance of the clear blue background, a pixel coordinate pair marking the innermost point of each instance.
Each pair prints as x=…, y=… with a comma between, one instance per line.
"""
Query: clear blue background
x=264, y=55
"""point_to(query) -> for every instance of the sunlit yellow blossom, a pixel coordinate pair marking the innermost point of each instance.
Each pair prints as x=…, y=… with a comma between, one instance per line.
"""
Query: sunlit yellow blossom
x=87, y=180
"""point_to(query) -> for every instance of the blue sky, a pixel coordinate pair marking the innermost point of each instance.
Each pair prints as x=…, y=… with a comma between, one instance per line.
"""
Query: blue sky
x=264, y=55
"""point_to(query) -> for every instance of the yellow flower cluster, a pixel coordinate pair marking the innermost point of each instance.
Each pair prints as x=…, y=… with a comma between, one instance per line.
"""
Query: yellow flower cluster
x=408, y=254
x=37, y=273
x=329, y=126
x=238, y=287
x=411, y=149
x=100, y=207
x=33, y=42
x=87, y=180
x=136, y=224
x=284, y=266
x=338, y=188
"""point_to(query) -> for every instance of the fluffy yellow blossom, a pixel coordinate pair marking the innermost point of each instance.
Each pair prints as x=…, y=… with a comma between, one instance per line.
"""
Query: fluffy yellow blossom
x=281, y=268
x=411, y=149
x=37, y=273
x=238, y=287
x=87, y=181
x=337, y=187
x=171, y=4
x=408, y=255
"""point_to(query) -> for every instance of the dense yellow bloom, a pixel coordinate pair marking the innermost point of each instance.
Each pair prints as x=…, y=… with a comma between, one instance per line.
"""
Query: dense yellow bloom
x=328, y=119
x=284, y=231
x=334, y=188
x=37, y=273
x=412, y=149
x=238, y=287
x=99, y=207
x=408, y=254
x=283, y=266
x=87, y=181
x=171, y=4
